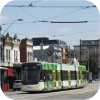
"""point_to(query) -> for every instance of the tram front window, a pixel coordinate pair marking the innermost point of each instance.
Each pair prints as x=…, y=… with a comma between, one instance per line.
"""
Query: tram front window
x=30, y=75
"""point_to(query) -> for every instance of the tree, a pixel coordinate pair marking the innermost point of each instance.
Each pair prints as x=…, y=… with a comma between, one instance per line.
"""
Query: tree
x=93, y=66
x=70, y=53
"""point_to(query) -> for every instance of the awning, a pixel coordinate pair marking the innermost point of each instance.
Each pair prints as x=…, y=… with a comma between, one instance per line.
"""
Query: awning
x=4, y=68
x=10, y=72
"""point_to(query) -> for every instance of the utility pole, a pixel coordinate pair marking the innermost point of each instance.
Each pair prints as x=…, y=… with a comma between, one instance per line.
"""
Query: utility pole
x=88, y=60
x=80, y=51
x=42, y=49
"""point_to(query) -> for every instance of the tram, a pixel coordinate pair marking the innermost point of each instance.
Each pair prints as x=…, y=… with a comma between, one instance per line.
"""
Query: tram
x=45, y=76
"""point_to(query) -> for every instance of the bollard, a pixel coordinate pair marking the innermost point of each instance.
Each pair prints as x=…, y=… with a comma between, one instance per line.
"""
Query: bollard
x=5, y=87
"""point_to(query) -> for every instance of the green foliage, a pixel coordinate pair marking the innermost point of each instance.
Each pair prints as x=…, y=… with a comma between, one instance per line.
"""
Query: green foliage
x=93, y=66
x=70, y=53
x=15, y=76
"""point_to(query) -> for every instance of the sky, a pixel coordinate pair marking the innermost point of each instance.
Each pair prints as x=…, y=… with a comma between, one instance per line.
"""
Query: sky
x=71, y=33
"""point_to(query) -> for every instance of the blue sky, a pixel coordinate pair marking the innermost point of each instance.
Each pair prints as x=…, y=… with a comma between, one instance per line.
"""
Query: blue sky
x=9, y=14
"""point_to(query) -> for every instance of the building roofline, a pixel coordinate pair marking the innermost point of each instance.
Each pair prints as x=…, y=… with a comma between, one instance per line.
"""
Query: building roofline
x=89, y=40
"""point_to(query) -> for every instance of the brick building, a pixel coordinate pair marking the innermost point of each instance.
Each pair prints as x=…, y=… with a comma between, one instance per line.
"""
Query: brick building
x=26, y=50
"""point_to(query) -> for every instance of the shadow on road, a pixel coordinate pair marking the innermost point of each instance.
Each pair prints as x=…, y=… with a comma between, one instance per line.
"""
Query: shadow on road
x=45, y=92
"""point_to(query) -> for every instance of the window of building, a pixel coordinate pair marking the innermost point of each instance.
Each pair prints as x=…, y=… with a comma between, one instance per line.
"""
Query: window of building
x=1, y=52
x=7, y=54
x=15, y=56
x=29, y=56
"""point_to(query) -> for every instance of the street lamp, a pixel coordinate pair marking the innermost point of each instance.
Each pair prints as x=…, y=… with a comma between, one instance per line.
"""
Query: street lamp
x=11, y=24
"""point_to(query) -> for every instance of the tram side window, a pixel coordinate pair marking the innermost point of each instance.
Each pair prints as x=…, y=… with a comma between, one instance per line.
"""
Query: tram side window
x=84, y=74
x=47, y=65
x=46, y=75
x=65, y=75
x=43, y=75
x=72, y=75
x=49, y=75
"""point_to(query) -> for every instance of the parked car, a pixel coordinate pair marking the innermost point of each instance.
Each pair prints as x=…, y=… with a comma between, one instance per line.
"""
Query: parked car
x=17, y=85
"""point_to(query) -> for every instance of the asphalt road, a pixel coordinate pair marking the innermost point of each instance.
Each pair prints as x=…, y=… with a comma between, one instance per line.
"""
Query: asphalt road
x=83, y=93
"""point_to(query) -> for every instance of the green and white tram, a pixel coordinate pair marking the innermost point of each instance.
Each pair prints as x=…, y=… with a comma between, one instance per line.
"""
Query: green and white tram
x=44, y=76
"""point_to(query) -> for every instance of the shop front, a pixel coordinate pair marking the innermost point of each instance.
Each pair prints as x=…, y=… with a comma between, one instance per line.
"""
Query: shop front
x=17, y=71
x=9, y=76
x=3, y=77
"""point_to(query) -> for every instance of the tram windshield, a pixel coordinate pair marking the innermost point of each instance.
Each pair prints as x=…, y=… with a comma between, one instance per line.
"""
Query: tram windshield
x=30, y=73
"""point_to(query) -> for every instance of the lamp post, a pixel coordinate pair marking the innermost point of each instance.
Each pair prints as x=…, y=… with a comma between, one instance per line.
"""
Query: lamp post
x=12, y=24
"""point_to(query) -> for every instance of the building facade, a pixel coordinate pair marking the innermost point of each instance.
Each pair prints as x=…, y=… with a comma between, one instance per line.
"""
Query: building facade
x=89, y=48
x=26, y=50
x=1, y=48
x=2, y=43
x=2, y=72
x=43, y=54
x=11, y=55
x=57, y=47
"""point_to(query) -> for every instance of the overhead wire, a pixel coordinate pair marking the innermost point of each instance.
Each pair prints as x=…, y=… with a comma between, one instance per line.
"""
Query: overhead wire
x=75, y=33
x=54, y=16
x=36, y=1
x=53, y=36
x=67, y=13
x=47, y=6
x=29, y=13
x=39, y=21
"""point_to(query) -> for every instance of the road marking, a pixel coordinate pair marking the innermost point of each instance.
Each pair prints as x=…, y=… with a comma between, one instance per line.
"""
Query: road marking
x=83, y=92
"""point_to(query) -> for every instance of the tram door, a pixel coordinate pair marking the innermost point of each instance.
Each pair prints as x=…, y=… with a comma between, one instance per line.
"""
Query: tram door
x=54, y=78
x=77, y=78
x=69, y=79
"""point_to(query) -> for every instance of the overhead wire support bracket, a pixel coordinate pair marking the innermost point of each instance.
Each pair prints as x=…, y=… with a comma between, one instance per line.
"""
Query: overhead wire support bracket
x=44, y=21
